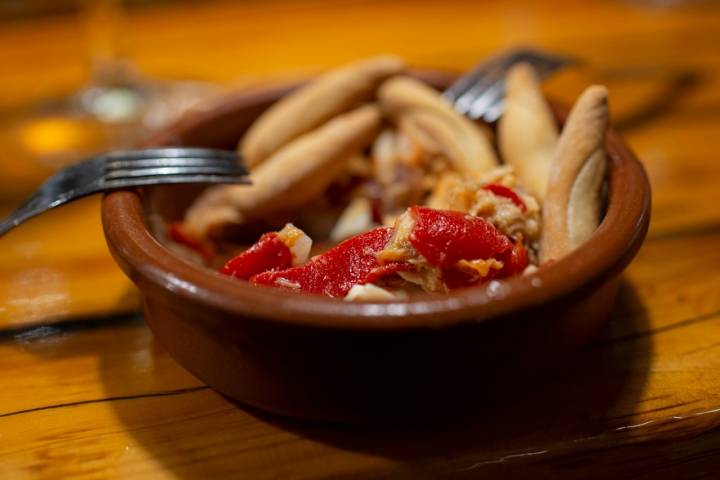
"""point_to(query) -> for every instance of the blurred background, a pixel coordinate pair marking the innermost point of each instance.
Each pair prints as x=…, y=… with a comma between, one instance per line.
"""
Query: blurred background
x=80, y=76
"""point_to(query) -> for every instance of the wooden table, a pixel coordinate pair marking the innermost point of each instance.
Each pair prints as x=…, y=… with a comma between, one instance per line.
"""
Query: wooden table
x=85, y=392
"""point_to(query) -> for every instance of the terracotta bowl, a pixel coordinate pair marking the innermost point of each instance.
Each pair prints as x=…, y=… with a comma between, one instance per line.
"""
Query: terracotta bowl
x=318, y=358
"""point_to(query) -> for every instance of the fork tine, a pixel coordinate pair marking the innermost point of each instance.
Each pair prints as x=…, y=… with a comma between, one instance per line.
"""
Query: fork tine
x=171, y=162
x=480, y=94
x=485, y=86
x=486, y=76
x=494, y=111
x=117, y=184
x=464, y=83
x=174, y=170
x=486, y=101
x=488, y=104
x=171, y=152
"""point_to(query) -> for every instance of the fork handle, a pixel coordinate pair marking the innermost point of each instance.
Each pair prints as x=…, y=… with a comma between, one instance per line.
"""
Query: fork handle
x=17, y=217
x=33, y=207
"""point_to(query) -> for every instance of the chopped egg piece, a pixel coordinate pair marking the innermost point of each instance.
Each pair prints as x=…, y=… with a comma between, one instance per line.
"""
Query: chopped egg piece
x=297, y=241
x=355, y=219
x=368, y=293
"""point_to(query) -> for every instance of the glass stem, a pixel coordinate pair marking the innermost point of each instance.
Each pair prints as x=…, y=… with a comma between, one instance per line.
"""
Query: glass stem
x=104, y=20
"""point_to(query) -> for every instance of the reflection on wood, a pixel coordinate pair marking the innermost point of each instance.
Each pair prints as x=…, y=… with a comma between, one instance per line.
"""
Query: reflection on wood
x=57, y=266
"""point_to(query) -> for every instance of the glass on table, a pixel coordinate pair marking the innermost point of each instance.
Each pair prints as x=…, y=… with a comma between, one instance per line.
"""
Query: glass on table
x=118, y=107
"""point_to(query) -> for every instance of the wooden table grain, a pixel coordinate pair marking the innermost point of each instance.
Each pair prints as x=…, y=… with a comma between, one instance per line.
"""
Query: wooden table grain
x=85, y=392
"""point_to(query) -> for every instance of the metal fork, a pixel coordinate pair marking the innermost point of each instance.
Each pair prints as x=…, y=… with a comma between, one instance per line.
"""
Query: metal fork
x=479, y=93
x=128, y=169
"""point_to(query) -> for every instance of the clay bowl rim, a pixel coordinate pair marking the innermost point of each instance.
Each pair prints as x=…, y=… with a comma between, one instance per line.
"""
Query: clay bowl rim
x=157, y=269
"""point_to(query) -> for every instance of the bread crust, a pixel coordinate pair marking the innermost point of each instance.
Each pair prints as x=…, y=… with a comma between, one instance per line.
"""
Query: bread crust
x=314, y=104
x=421, y=112
x=571, y=211
x=527, y=132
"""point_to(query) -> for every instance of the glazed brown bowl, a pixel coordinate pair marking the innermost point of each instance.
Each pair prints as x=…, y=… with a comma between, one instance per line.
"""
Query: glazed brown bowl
x=319, y=358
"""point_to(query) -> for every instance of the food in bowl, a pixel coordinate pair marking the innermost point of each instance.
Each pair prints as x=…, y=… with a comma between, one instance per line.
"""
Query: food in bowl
x=313, y=357
x=415, y=196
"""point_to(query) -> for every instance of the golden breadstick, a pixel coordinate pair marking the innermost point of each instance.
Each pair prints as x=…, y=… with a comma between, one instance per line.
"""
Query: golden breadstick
x=312, y=105
x=412, y=131
x=527, y=133
x=294, y=174
x=384, y=154
x=571, y=211
x=418, y=108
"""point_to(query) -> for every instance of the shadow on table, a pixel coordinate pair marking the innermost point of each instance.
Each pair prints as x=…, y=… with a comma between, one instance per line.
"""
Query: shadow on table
x=594, y=392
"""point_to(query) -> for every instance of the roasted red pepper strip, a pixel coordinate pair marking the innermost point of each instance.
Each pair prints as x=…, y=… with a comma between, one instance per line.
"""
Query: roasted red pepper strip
x=378, y=273
x=336, y=271
x=444, y=238
x=267, y=254
x=178, y=235
x=455, y=278
x=514, y=261
x=503, y=191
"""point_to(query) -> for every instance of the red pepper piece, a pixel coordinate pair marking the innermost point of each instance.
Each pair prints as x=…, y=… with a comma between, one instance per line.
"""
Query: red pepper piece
x=267, y=254
x=378, y=273
x=456, y=278
x=444, y=237
x=514, y=261
x=503, y=191
x=178, y=235
x=336, y=271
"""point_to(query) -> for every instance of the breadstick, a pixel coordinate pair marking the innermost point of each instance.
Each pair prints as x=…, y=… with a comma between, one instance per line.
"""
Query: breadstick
x=294, y=174
x=527, y=133
x=571, y=211
x=418, y=108
x=384, y=154
x=314, y=104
